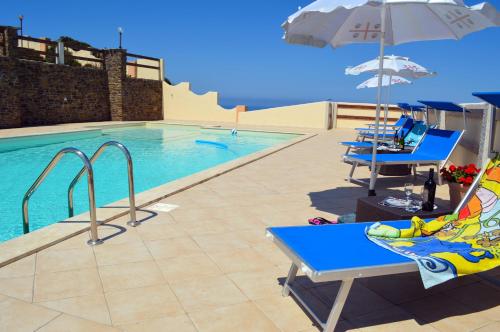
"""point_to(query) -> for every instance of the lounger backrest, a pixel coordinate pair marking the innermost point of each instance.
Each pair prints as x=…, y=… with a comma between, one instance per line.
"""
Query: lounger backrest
x=416, y=133
x=405, y=129
x=438, y=143
x=401, y=121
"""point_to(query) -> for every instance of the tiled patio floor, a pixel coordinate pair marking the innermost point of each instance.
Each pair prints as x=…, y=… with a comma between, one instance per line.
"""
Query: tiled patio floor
x=207, y=266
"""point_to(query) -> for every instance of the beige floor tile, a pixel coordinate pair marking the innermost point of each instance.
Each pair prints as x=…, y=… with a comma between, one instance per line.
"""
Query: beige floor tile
x=258, y=284
x=272, y=253
x=151, y=230
x=491, y=327
x=64, y=260
x=389, y=319
x=130, y=275
x=409, y=287
x=180, y=323
x=91, y=307
x=21, y=316
x=361, y=300
x=197, y=294
x=65, y=323
x=445, y=313
x=286, y=313
x=116, y=234
x=188, y=267
x=22, y=268
x=238, y=260
x=168, y=248
x=61, y=285
x=121, y=253
x=486, y=298
x=140, y=304
x=222, y=242
x=202, y=227
x=19, y=288
x=240, y=317
x=191, y=214
x=75, y=242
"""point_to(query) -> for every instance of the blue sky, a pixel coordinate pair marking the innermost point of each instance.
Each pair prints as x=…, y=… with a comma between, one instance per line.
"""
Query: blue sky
x=235, y=47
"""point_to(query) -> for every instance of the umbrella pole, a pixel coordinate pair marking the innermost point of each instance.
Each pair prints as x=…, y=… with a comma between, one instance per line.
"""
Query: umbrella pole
x=374, y=171
x=386, y=110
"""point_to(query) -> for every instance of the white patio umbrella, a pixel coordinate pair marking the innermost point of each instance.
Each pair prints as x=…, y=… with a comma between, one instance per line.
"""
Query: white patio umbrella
x=387, y=81
x=387, y=22
x=373, y=82
x=393, y=65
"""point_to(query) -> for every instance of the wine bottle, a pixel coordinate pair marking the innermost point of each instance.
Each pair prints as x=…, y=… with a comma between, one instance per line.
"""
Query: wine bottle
x=429, y=192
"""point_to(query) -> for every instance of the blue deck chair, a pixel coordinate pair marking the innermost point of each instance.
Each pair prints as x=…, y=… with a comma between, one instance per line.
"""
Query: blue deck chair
x=340, y=252
x=364, y=133
x=435, y=148
x=402, y=132
x=394, y=126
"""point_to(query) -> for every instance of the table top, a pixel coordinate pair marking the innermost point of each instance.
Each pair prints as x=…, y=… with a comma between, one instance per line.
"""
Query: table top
x=370, y=207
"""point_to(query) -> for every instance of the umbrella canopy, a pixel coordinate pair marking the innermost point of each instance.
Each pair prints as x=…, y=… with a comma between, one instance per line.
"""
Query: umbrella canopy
x=393, y=65
x=342, y=22
x=373, y=82
x=387, y=22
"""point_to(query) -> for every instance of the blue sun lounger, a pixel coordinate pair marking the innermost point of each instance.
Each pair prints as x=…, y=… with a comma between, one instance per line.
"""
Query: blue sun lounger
x=404, y=131
x=435, y=148
x=341, y=252
x=412, y=138
x=322, y=254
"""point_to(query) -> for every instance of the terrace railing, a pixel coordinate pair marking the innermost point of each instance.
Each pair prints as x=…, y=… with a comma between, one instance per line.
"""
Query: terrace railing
x=48, y=53
x=155, y=66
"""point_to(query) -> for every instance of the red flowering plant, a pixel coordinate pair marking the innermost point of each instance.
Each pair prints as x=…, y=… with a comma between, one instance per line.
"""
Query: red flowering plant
x=462, y=174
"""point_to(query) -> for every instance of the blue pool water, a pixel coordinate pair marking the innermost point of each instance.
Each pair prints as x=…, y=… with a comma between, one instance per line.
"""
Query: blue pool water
x=161, y=153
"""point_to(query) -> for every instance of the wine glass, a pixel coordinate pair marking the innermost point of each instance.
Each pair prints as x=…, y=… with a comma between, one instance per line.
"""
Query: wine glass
x=408, y=192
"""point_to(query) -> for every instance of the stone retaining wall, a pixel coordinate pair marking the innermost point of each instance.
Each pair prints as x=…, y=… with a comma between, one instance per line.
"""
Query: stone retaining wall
x=36, y=93
x=142, y=100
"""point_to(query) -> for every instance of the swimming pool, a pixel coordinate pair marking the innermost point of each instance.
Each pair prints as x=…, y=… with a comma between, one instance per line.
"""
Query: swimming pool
x=161, y=153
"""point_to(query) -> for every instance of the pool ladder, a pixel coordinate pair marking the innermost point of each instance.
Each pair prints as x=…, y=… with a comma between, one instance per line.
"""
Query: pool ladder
x=87, y=168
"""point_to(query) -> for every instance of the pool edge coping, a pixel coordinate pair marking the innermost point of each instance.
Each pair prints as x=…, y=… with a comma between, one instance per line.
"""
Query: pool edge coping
x=29, y=244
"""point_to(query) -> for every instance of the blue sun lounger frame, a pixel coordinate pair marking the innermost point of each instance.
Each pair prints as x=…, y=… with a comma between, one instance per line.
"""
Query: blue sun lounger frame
x=343, y=253
x=322, y=254
x=435, y=148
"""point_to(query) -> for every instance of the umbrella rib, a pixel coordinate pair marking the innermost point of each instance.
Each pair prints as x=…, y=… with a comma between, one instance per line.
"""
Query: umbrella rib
x=441, y=20
x=336, y=32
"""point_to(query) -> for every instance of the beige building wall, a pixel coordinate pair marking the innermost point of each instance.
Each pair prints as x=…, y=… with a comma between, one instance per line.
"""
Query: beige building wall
x=312, y=115
x=180, y=103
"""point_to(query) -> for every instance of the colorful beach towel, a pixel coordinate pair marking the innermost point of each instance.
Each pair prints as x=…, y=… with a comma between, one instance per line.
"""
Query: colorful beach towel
x=454, y=245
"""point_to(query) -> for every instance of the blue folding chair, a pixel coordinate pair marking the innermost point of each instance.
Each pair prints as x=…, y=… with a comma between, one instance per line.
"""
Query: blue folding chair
x=401, y=132
x=335, y=252
x=340, y=252
x=435, y=148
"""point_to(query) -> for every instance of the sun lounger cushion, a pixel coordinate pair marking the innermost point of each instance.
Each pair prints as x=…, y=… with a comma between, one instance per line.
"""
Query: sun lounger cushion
x=455, y=245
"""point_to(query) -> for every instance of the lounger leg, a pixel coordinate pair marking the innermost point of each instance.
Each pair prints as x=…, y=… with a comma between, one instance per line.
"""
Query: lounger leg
x=289, y=279
x=338, y=305
x=440, y=178
x=351, y=173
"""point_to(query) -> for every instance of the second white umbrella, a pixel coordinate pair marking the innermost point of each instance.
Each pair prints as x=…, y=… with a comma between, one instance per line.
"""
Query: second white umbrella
x=373, y=82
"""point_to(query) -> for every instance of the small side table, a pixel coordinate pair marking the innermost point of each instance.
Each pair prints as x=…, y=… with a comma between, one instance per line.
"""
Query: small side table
x=369, y=209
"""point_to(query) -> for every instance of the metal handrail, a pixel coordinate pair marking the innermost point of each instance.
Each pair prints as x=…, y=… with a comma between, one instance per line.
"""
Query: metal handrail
x=131, y=193
x=90, y=182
